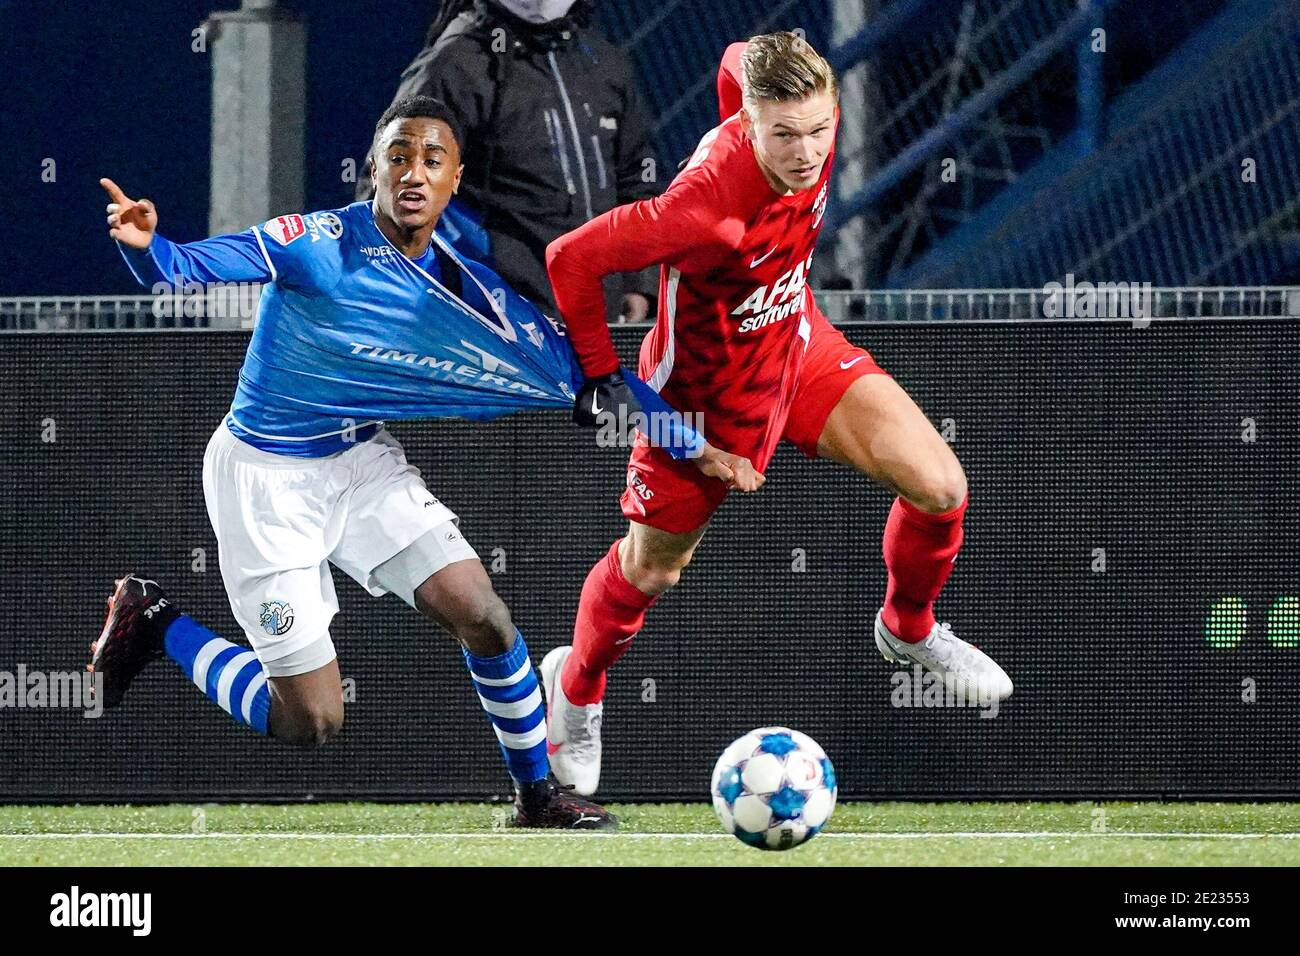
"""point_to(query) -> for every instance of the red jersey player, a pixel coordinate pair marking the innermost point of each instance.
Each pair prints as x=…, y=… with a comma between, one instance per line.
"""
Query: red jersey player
x=740, y=340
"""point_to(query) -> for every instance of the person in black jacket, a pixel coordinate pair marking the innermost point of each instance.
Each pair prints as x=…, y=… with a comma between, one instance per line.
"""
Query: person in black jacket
x=554, y=131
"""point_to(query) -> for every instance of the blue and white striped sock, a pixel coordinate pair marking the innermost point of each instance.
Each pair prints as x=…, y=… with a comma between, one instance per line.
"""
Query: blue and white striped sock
x=230, y=674
x=508, y=689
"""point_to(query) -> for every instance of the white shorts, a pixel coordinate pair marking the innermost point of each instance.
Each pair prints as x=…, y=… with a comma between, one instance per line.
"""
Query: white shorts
x=281, y=521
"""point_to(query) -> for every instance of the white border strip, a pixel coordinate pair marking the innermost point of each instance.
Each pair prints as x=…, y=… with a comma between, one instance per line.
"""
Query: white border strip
x=516, y=834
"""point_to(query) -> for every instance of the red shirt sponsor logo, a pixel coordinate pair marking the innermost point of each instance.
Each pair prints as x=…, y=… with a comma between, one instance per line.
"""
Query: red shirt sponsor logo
x=285, y=229
x=783, y=299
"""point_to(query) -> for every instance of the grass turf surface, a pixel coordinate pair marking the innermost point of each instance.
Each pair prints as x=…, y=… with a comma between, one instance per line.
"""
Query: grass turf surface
x=914, y=834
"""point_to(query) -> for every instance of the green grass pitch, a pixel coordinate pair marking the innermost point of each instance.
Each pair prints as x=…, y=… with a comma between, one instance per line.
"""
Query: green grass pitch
x=860, y=834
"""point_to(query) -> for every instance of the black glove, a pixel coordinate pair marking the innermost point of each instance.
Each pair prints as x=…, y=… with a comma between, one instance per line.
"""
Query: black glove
x=603, y=397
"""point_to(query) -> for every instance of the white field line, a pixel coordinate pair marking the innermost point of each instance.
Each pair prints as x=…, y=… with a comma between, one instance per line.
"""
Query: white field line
x=534, y=834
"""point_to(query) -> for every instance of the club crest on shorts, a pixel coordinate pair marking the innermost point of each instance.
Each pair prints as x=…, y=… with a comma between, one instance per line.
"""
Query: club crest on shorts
x=277, y=618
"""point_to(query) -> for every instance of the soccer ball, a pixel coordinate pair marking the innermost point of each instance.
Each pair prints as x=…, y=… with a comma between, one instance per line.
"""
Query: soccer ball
x=774, y=788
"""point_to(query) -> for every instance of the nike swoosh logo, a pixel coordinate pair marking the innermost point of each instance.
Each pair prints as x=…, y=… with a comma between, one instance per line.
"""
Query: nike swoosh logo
x=595, y=409
x=762, y=258
x=584, y=818
x=852, y=362
x=626, y=639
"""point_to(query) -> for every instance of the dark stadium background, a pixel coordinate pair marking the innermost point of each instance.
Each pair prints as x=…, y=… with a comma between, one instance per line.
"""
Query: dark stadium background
x=1076, y=436
x=113, y=89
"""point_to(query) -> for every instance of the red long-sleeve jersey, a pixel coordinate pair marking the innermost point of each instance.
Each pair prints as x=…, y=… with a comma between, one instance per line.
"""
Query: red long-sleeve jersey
x=734, y=306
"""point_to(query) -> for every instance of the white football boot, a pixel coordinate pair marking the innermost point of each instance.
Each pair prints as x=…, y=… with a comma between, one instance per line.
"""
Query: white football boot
x=572, y=730
x=973, y=673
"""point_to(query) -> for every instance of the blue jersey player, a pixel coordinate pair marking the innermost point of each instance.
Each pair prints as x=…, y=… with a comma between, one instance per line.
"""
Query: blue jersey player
x=366, y=314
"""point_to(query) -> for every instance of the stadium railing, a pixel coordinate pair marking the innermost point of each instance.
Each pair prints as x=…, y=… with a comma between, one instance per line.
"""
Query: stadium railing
x=48, y=313
x=1028, y=305
x=865, y=306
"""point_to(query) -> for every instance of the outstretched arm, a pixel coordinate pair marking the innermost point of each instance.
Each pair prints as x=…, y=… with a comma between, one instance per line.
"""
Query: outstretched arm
x=665, y=229
x=626, y=239
x=133, y=223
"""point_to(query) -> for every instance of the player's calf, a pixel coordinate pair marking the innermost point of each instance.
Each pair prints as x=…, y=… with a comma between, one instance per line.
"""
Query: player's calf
x=309, y=730
x=615, y=597
x=461, y=598
x=618, y=592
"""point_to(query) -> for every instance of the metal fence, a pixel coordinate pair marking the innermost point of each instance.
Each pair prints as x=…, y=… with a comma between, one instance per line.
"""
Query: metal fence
x=1079, y=301
x=676, y=48
x=1070, y=301
x=1198, y=179
x=1001, y=142
x=198, y=309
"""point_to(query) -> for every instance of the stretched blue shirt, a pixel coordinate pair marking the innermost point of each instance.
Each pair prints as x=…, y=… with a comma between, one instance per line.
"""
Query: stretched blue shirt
x=351, y=332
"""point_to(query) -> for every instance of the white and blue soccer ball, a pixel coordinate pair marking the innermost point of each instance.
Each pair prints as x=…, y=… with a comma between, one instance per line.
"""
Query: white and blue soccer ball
x=774, y=788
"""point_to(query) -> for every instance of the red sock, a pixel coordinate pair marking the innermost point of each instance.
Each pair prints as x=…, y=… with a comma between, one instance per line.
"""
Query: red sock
x=610, y=612
x=919, y=550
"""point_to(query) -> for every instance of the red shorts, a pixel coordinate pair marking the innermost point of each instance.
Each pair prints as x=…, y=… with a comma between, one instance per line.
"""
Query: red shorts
x=675, y=496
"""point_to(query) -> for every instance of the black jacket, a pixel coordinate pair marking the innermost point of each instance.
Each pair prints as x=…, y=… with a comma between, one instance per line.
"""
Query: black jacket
x=554, y=135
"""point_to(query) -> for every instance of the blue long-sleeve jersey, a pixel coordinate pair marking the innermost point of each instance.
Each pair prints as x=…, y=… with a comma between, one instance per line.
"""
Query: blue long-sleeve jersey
x=351, y=332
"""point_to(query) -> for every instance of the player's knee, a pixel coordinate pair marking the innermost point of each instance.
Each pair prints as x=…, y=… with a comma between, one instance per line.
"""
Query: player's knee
x=655, y=577
x=945, y=490
x=311, y=726
x=322, y=728
x=481, y=621
x=659, y=580
x=651, y=566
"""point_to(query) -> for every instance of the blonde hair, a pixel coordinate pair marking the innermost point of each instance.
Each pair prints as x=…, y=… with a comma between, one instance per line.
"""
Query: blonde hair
x=782, y=67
